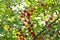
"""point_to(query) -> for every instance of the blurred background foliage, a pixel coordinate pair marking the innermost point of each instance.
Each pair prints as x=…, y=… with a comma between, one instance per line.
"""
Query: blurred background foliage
x=10, y=12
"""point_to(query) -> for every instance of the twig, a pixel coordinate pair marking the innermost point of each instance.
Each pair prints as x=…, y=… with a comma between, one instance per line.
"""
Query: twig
x=44, y=29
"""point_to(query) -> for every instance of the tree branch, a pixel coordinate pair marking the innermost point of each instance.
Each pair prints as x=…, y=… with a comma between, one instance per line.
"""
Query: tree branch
x=44, y=29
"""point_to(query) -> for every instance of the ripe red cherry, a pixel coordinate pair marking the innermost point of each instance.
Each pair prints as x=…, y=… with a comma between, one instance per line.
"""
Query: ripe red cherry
x=21, y=38
x=31, y=25
x=25, y=20
x=51, y=18
x=42, y=4
x=20, y=35
x=46, y=22
x=29, y=22
x=44, y=14
x=23, y=24
x=17, y=34
x=28, y=15
x=33, y=34
x=21, y=16
x=29, y=29
x=24, y=11
x=31, y=9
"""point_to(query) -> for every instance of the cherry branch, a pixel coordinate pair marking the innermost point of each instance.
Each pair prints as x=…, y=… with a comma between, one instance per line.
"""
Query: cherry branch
x=44, y=29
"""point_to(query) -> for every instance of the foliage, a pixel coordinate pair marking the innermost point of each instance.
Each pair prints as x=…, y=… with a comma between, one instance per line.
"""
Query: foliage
x=24, y=19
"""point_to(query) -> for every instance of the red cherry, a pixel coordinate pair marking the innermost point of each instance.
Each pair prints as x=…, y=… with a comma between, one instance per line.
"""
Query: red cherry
x=44, y=14
x=21, y=16
x=51, y=18
x=23, y=24
x=29, y=22
x=24, y=11
x=42, y=4
x=21, y=38
x=31, y=10
x=17, y=34
x=29, y=29
x=25, y=20
x=33, y=34
x=46, y=22
x=31, y=25
x=28, y=15
x=20, y=35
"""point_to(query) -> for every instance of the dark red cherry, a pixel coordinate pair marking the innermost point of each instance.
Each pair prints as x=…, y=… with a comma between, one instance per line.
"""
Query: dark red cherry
x=29, y=29
x=33, y=34
x=28, y=15
x=31, y=25
x=24, y=11
x=42, y=4
x=17, y=34
x=21, y=38
x=44, y=14
x=29, y=22
x=25, y=20
x=46, y=22
x=51, y=18
x=23, y=24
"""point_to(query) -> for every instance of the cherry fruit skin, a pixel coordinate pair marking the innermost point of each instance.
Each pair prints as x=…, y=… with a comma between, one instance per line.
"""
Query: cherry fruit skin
x=29, y=29
x=46, y=22
x=23, y=24
x=33, y=34
x=29, y=22
x=31, y=9
x=44, y=14
x=28, y=15
x=24, y=11
x=21, y=38
x=42, y=4
x=17, y=34
x=51, y=18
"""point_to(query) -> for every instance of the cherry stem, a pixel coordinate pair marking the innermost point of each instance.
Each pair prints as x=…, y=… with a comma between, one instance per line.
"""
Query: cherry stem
x=44, y=29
